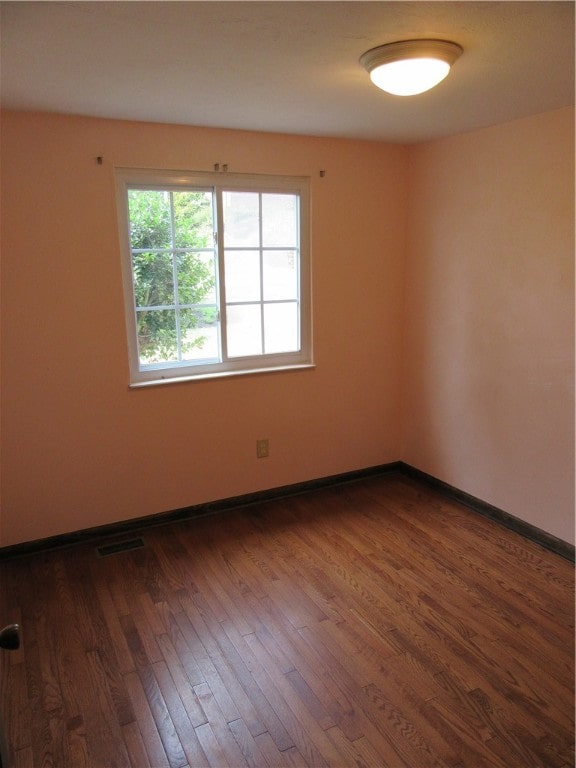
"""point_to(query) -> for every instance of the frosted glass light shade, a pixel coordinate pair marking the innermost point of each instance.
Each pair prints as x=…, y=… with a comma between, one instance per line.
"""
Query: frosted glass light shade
x=409, y=67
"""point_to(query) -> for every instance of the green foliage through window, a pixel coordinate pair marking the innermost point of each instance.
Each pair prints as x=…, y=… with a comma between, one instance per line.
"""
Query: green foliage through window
x=173, y=268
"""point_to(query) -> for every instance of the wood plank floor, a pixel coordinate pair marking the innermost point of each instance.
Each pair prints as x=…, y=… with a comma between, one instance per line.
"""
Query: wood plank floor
x=371, y=624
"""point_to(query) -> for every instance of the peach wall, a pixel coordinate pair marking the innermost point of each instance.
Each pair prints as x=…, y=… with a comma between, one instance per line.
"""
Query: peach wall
x=486, y=370
x=489, y=319
x=80, y=449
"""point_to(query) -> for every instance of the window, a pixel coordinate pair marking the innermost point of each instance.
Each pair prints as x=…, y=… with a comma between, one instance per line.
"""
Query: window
x=216, y=273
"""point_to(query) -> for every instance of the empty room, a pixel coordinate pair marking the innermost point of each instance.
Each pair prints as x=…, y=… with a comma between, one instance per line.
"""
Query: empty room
x=287, y=384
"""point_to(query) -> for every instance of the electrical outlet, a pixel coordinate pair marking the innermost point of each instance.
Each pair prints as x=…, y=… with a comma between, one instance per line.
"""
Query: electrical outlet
x=262, y=448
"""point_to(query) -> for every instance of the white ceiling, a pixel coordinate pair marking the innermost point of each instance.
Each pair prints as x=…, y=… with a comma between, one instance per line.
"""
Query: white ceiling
x=284, y=66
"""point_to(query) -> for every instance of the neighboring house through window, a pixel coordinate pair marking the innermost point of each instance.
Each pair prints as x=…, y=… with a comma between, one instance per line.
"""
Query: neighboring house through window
x=216, y=273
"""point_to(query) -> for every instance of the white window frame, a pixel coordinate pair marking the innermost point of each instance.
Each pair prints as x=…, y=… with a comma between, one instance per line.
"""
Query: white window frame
x=127, y=178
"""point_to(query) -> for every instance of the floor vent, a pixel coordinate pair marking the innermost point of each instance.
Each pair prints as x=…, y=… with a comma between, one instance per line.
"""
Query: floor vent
x=119, y=546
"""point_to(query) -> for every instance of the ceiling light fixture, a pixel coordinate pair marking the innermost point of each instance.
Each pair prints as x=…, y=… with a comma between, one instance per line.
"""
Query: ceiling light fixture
x=409, y=67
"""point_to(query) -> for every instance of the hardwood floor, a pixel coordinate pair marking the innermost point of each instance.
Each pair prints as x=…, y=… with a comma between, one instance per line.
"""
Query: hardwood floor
x=370, y=624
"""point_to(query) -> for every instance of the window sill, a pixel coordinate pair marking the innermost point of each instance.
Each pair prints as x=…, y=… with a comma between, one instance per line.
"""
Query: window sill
x=219, y=375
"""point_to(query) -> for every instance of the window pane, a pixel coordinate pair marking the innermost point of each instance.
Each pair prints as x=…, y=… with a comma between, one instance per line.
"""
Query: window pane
x=244, y=330
x=279, y=220
x=193, y=221
x=150, y=225
x=157, y=336
x=199, y=331
x=153, y=279
x=196, y=278
x=281, y=328
x=241, y=219
x=242, y=275
x=280, y=275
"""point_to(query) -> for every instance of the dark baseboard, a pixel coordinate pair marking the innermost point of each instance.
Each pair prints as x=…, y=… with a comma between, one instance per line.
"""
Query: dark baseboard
x=552, y=543
x=129, y=527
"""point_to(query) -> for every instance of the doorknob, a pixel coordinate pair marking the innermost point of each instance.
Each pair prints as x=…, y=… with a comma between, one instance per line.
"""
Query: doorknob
x=10, y=637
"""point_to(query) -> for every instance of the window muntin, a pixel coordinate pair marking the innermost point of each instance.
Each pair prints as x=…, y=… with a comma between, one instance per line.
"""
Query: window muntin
x=216, y=273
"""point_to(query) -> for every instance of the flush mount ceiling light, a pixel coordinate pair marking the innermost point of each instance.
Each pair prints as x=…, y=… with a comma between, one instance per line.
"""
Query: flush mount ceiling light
x=409, y=67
